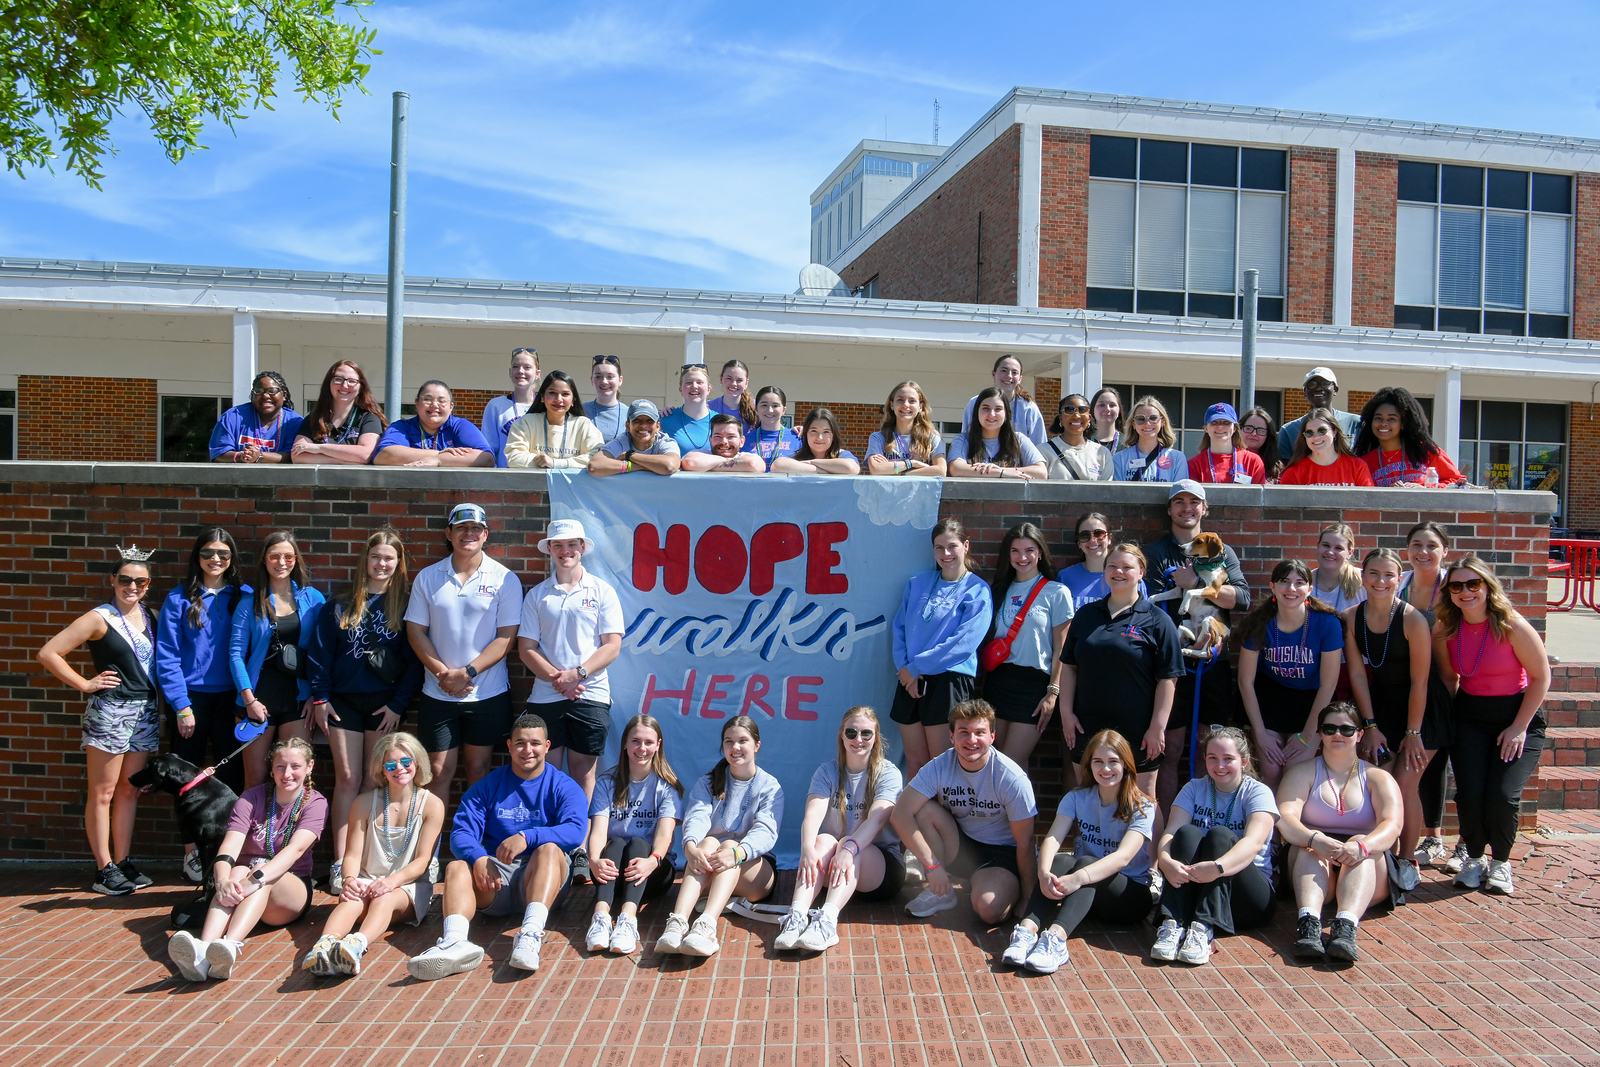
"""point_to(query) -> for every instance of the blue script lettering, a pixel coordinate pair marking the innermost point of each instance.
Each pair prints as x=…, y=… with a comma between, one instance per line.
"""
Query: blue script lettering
x=765, y=627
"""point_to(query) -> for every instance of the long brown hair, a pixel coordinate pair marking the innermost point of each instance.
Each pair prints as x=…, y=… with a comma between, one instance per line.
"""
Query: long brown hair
x=874, y=764
x=1005, y=573
x=921, y=426
x=1501, y=613
x=1340, y=445
x=194, y=586
x=819, y=415
x=298, y=576
x=658, y=763
x=354, y=600
x=719, y=773
x=1254, y=625
x=1130, y=798
x=954, y=526
x=319, y=424
x=747, y=406
x=1009, y=452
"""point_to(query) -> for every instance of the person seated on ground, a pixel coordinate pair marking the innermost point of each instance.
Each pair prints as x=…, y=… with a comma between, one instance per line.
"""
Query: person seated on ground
x=511, y=835
x=906, y=443
x=607, y=411
x=635, y=809
x=1340, y=817
x=640, y=447
x=736, y=399
x=390, y=840
x=1025, y=414
x=263, y=866
x=1395, y=444
x=500, y=412
x=993, y=448
x=969, y=813
x=554, y=434
x=1074, y=455
x=433, y=437
x=346, y=422
x=729, y=830
x=1322, y=455
x=1215, y=856
x=846, y=843
x=1107, y=876
x=1224, y=459
x=1321, y=386
x=771, y=439
x=820, y=451
x=721, y=454
x=690, y=422
x=1148, y=453
x=261, y=431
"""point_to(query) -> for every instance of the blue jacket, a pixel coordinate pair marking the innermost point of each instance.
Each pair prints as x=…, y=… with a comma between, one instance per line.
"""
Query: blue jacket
x=548, y=809
x=190, y=657
x=339, y=656
x=938, y=629
x=252, y=636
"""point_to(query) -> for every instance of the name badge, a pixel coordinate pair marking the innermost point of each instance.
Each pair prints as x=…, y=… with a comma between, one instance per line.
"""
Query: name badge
x=1242, y=478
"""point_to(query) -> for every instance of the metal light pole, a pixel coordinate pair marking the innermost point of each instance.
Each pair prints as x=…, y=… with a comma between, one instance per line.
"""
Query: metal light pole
x=396, y=324
x=1247, y=346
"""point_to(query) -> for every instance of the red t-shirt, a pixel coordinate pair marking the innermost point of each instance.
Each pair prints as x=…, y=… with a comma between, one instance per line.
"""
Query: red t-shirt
x=1344, y=470
x=1238, y=467
x=1393, y=468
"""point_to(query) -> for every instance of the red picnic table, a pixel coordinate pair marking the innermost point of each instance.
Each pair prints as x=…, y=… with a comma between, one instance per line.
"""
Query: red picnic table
x=1576, y=568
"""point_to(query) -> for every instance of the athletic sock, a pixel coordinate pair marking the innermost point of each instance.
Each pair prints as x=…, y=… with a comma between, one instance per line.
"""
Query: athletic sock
x=1355, y=920
x=831, y=910
x=455, y=929
x=796, y=909
x=533, y=917
x=1307, y=911
x=361, y=940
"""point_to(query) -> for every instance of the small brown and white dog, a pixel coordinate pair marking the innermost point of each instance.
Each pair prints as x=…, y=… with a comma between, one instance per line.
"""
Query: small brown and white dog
x=1199, y=619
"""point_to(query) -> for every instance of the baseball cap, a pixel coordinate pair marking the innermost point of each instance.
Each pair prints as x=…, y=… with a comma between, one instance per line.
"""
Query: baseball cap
x=1187, y=485
x=467, y=513
x=643, y=407
x=1221, y=411
x=1325, y=373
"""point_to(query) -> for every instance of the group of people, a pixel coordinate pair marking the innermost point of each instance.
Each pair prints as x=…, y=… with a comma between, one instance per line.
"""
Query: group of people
x=545, y=423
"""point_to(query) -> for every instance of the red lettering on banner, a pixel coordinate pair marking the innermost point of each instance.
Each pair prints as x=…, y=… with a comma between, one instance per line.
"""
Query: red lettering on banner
x=719, y=560
x=822, y=557
x=794, y=699
x=714, y=691
x=774, y=543
x=756, y=688
x=649, y=555
x=684, y=696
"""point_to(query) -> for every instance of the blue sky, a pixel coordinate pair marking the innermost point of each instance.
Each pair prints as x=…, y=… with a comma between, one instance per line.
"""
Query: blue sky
x=677, y=144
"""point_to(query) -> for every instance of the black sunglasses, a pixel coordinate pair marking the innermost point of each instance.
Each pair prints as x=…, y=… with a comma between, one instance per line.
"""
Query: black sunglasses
x=128, y=579
x=215, y=553
x=692, y=366
x=611, y=360
x=1328, y=729
x=1075, y=409
x=850, y=734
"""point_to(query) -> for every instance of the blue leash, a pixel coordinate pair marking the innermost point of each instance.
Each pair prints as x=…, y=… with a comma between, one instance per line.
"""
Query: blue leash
x=1194, y=722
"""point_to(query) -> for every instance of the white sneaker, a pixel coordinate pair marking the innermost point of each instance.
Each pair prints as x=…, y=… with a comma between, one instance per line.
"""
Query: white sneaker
x=345, y=956
x=625, y=936
x=1471, y=874
x=1168, y=938
x=701, y=940
x=598, y=938
x=525, y=950
x=821, y=935
x=793, y=926
x=319, y=960
x=1022, y=942
x=671, y=939
x=192, y=869
x=335, y=879
x=433, y=869
x=1431, y=851
x=441, y=960
x=1048, y=956
x=1458, y=858
x=930, y=903
x=222, y=954
x=188, y=954
x=1498, y=879
x=1196, y=948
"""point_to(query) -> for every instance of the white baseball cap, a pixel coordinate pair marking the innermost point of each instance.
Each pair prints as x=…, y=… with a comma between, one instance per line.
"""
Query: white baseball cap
x=565, y=530
x=1325, y=373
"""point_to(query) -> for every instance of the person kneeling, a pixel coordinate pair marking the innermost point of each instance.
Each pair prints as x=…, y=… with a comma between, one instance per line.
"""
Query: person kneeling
x=390, y=841
x=969, y=812
x=530, y=815
x=1109, y=877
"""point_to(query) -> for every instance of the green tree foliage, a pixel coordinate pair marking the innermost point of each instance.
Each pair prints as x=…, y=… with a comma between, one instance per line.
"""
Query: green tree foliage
x=72, y=66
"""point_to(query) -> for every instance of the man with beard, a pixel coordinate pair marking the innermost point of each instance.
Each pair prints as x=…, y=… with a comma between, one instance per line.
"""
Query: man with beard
x=722, y=455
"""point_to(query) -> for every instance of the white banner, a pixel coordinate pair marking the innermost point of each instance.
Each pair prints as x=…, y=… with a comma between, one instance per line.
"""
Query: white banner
x=769, y=596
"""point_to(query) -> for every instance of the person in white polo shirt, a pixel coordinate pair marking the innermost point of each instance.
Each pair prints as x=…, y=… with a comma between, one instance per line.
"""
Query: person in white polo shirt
x=461, y=619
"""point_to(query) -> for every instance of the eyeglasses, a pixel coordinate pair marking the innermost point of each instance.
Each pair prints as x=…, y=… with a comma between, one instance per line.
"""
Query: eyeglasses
x=1147, y=420
x=1253, y=431
x=1471, y=585
x=1317, y=433
x=1085, y=536
x=612, y=360
x=128, y=579
x=1328, y=729
x=215, y=553
x=392, y=765
x=1074, y=409
x=850, y=734
x=344, y=381
x=273, y=391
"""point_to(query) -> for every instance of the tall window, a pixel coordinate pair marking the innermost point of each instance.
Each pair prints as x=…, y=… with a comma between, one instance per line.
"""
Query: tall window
x=8, y=424
x=186, y=425
x=1186, y=407
x=1173, y=226
x=1480, y=250
x=1512, y=445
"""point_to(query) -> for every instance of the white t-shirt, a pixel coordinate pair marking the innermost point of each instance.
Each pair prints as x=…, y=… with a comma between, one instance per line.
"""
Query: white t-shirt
x=985, y=802
x=887, y=787
x=1034, y=646
x=462, y=619
x=568, y=625
x=648, y=802
x=1100, y=832
x=1208, y=808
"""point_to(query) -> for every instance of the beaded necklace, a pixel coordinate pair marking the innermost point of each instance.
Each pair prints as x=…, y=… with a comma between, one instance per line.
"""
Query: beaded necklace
x=1412, y=584
x=394, y=855
x=1366, y=637
x=289, y=823
x=1232, y=800
x=1460, y=659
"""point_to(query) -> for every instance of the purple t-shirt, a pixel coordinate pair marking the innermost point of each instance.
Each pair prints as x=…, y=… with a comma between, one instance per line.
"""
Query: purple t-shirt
x=720, y=406
x=770, y=444
x=250, y=818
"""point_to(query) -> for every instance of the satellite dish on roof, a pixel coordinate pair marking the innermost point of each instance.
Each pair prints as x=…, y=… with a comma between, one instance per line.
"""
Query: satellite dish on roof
x=817, y=280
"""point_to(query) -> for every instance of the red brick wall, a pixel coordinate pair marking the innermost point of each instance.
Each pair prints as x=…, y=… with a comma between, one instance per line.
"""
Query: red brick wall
x=1583, y=493
x=1312, y=191
x=50, y=414
x=932, y=253
x=1064, y=218
x=857, y=422
x=1372, y=288
x=471, y=402
x=1586, y=258
x=1047, y=394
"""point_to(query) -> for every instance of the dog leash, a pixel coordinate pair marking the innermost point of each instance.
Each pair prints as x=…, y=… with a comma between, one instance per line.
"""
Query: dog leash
x=245, y=729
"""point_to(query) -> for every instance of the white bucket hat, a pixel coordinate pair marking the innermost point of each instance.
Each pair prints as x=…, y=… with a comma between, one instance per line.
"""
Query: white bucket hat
x=565, y=530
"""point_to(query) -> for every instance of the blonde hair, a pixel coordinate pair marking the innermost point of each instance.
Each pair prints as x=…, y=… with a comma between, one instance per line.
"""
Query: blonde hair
x=1501, y=613
x=1164, y=437
x=299, y=744
x=406, y=743
x=869, y=786
x=1349, y=573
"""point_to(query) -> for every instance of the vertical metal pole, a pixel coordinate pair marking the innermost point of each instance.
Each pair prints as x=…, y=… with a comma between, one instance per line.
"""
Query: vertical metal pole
x=394, y=339
x=1247, y=347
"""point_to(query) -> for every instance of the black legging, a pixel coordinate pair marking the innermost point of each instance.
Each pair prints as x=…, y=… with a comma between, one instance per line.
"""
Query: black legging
x=1488, y=789
x=214, y=716
x=1229, y=904
x=1431, y=787
x=622, y=851
x=1117, y=901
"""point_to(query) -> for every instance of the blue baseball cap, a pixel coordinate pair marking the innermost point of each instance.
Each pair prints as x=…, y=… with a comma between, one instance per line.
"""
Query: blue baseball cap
x=1221, y=411
x=643, y=408
x=467, y=513
x=1187, y=485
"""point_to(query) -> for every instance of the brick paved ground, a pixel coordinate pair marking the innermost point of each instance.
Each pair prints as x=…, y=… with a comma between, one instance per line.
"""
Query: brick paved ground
x=1451, y=978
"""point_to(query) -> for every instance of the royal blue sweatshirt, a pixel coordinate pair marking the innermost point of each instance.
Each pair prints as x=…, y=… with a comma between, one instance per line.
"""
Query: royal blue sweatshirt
x=190, y=657
x=547, y=808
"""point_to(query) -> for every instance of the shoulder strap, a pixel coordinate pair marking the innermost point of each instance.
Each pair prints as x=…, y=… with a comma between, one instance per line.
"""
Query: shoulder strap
x=1069, y=462
x=1016, y=623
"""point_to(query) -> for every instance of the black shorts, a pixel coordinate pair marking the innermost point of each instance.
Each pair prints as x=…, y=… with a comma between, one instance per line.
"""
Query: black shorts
x=1142, y=764
x=1015, y=691
x=580, y=725
x=446, y=724
x=1391, y=709
x=940, y=693
x=1283, y=710
x=894, y=877
x=306, y=880
x=974, y=856
x=359, y=711
x=280, y=692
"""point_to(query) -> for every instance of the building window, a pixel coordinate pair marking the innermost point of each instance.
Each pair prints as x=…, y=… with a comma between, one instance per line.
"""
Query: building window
x=186, y=425
x=1512, y=445
x=1186, y=407
x=1173, y=226
x=8, y=424
x=1480, y=250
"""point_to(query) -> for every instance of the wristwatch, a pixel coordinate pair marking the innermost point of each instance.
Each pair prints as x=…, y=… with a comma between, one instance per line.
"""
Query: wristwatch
x=1368, y=724
x=583, y=672
x=627, y=457
x=472, y=672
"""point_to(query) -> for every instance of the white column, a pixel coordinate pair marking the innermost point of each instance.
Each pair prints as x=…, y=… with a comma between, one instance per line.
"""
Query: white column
x=244, y=355
x=1093, y=372
x=1072, y=371
x=1344, y=235
x=694, y=346
x=1030, y=182
x=1447, y=413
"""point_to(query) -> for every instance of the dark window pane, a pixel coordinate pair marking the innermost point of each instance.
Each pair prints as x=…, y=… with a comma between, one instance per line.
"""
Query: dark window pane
x=1412, y=318
x=1269, y=309
x=1214, y=164
x=1505, y=323
x=408, y=411
x=1547, y=422
x=1461, y=185
x=1110, y=300
x=8, y=431
x=1270, y=401
x=1196, y=401
x=1459, y=320
x=1426, y=403
x=1502, y=421
x=1113, y=157
x=1469, y=420
x=186, y=425
x=1508, y=188
x=1164, y=161
x=1419, y=181
x=1153, y=303
x=1210, y=306
x=8, y=399
x=1264, y=168
x=1552, y=192
x=1171, y=398
x=1548, y=326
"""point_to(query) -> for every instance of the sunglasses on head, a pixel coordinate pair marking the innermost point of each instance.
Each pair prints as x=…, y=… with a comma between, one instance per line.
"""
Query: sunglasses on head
x=128, y=579
x=1085, y=536
x=392, y=765
x=851, y=733
x=692, y=366
x=609, y=359
x=215, y=553
x=520, y=351
x=1471, y=585
x=1328, y=729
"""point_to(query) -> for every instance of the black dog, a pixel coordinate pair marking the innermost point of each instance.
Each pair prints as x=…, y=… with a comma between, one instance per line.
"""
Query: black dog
x=202, y=818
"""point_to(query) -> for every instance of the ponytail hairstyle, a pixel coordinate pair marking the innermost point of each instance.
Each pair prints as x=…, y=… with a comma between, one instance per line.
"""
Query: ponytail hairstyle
x=1383, y=553
x=536, y=406
x=921, y=426
x=953, y=526
x=747, y=406
x=658, y=763
x=296, y=744
x=1349, y=574
x=1241, y=740
x=1254, y=625
x=1005, y=574
x=299, y=576
x=1022, y=394
x=875, y=761
x=719, y=773
x=394, y=597
x=819, y=415
x=1009, y=453
x=194, y=586
x=1131, y=800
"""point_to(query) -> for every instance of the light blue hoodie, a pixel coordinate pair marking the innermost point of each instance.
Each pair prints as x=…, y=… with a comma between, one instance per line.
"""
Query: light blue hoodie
x=941, y=624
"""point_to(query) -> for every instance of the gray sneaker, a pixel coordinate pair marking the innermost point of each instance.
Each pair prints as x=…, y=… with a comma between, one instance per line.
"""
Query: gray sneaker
x=1431, y=851
x=789, y=932
x=525, y=950
x=192, y=869
x=625, y=935
x=1196, y=949
x=1022, y=942
x=1048, y=956
x=821, y=935
x=1458, y=859
x=671, y=939
x=1168, y=938
x=335, y=879
x=1471, y=874
x=701, y=940
x=929, y=903
x=1407, y=877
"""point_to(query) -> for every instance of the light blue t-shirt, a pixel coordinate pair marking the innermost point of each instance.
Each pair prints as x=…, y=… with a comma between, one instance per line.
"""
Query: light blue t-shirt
x=1030, y=451
x=1025, y=418
x=984, y=802
x=610, y=421
x=1034, y=645
x=825, y=782
x=1100, y=832
x=1088, y=586
x=1208, y=808
x=648, y=802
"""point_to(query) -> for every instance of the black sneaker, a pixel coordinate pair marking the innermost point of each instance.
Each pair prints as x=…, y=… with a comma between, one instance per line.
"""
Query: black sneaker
x=1342, y=941
x=580, y=866
x=1310, y=942
x=137, y=878
x=111, y=881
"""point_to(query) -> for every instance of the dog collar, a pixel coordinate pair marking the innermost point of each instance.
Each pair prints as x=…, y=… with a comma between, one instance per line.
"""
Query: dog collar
x=197, y=779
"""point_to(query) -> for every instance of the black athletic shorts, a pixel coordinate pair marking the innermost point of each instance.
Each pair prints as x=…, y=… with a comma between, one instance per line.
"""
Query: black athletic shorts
x=446, y=724
x=579, y=725
x=1015, y=691
x=359, y=711
x=940, y=693
x=974, y=856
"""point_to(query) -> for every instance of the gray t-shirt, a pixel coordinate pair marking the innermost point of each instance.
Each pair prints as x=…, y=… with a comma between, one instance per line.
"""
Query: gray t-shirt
x=1030, y=451
x=1208, y=808
x=826, y=781
x=648, y=802
x=985, y=802
x=663, y=445
x=1100, y=832
x=1034, y=646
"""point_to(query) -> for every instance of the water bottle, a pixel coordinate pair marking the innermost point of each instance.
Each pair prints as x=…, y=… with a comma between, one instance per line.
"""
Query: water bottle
x=1431, y=479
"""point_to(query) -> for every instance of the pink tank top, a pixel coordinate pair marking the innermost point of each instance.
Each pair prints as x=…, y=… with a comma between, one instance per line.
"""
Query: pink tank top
x=1318, y=814
x=1487, y=667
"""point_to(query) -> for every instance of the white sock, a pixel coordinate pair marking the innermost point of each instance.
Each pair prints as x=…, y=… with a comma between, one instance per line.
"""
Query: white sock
x=831, y=910
x=455, y=929
x=796, y=908
x=1355, y=920
x=361, y=941
x=1307, y=911
x=533, y=917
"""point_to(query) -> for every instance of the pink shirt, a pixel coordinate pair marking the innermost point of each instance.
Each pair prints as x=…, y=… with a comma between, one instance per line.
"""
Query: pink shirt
x=1487, y=667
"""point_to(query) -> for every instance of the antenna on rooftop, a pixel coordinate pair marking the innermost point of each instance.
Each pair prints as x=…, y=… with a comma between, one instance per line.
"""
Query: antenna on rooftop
x=936, y=120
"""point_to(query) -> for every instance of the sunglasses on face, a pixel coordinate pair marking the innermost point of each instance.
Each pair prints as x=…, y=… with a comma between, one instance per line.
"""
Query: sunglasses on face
x=1328, y=729
x=607, y=359
x=215, y=553
x=1147, y=420
x=392, y=765
x=1074, y=409
x=850, y=734
x=1471, y=585
x=1323, y=432
x=128, y=579
x=1085, y=536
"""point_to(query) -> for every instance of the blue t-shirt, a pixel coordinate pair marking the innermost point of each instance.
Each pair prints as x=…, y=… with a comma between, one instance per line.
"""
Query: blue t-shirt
x=770, y=444
x=1100, y=832
x=1030, y=451
x=1086, y=585
x=1208, y=808
x=611, y=421
x=455, y=433
x=1295, y=659
x=242, y=425
x=648, y=802
x=720, y=406
x=691, y=434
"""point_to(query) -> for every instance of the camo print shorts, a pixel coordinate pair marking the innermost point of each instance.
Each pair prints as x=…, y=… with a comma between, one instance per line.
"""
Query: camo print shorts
x=119, y=726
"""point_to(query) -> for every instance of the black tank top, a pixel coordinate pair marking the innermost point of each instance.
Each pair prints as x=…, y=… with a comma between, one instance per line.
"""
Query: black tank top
x=112, y=652
x=1388, y=654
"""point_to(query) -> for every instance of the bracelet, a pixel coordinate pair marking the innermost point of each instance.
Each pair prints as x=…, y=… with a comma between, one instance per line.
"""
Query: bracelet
x=1300, y=739
x=1365, y=853
x=851, y=841
x=1053, y=689
x=934, y=866
x=1414, y=733
x=231, y=861
x=186, y=711
x=656, y=856
x=628, y=466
